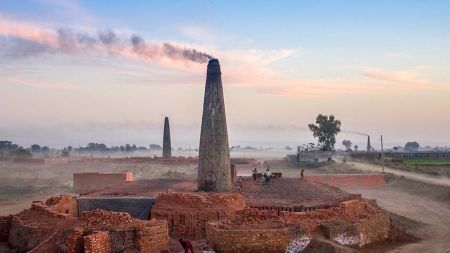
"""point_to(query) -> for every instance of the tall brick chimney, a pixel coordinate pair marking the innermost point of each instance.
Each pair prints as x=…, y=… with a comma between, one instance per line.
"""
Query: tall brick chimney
x=369, y=147
x=214, y=172
x=167, y=148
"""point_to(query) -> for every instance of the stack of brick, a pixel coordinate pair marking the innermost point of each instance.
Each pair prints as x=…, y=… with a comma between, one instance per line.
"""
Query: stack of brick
x=349, y=211
x=187, y=213
x=75, y=241
x=97, y=242
x=123, y=232
x=152, y=236
x=253, y=216
x=103, y=219
x=63, y=204
x=256, y=239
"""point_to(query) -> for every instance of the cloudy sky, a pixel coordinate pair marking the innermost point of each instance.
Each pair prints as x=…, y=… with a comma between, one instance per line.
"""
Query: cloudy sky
x=72, y=72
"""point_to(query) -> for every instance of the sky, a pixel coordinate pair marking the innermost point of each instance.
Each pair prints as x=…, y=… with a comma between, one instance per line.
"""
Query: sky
x=73, y=72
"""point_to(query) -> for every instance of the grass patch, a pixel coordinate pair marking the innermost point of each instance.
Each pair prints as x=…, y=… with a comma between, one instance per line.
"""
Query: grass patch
x=425, y=162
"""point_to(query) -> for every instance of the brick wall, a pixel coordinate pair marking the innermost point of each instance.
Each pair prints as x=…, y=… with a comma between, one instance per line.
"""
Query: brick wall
x=127, y=234
x=187, y=213
x=86, y=182
x=153, y=237
x=249, y=240
x=97, y=242
x=373, y=229
x=333, y=230
x=5, y=225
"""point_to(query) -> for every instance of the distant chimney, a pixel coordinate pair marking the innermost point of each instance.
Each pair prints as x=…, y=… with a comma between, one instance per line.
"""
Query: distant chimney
x=214, y=171
x=369, y=147
x=167, y=148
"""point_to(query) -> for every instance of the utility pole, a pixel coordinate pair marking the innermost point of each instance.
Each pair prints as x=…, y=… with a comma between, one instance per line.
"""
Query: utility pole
x=382, y=152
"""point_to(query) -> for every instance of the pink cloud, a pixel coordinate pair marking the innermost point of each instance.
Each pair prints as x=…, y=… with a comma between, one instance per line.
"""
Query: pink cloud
x=404, y=77
x=26, y=31
x=243, y=68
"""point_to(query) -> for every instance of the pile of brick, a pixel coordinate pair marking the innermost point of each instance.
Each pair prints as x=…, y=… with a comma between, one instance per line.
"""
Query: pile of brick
x=179, y=200
x=97, y=242
x=349, y=211
x=270, y=239
x=252, y=216
x=103, y=219
x=187, y=213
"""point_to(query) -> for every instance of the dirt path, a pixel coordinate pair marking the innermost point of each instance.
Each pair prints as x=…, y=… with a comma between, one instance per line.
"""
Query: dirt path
x=436, y=215
x=445, y=181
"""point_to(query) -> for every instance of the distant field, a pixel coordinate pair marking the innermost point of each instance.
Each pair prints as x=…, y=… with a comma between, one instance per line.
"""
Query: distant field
x=425, y=162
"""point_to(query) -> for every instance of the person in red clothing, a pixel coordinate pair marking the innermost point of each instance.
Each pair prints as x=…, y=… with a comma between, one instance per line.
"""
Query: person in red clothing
x=187, y=245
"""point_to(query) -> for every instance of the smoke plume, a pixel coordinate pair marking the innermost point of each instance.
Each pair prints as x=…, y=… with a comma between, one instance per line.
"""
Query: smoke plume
x=354, y=132
x=28, y=40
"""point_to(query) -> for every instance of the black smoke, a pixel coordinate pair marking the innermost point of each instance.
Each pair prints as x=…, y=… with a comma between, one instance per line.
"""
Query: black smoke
x=70, y=41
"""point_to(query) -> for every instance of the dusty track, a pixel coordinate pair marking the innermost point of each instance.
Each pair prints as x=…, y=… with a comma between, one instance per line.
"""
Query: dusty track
x=410, y=175
x=435, y=214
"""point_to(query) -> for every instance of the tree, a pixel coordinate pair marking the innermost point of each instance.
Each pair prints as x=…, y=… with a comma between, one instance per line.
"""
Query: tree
x=347, y=144
x=325, y=129
x=22, y=153
x=35, y=148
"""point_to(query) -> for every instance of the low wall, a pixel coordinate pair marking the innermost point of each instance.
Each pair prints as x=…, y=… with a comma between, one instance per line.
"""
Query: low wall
x=87, y=182
x=349, y=180
x=224, y=240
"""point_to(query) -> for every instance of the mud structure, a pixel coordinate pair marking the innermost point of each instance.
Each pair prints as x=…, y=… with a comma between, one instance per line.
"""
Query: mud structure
x=214, y=155
x=167, y=147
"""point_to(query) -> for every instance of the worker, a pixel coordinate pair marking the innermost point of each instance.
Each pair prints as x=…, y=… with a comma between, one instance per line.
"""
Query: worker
x=301, y=173
x=187, y=245
x=254, y=173
x=268, y=172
